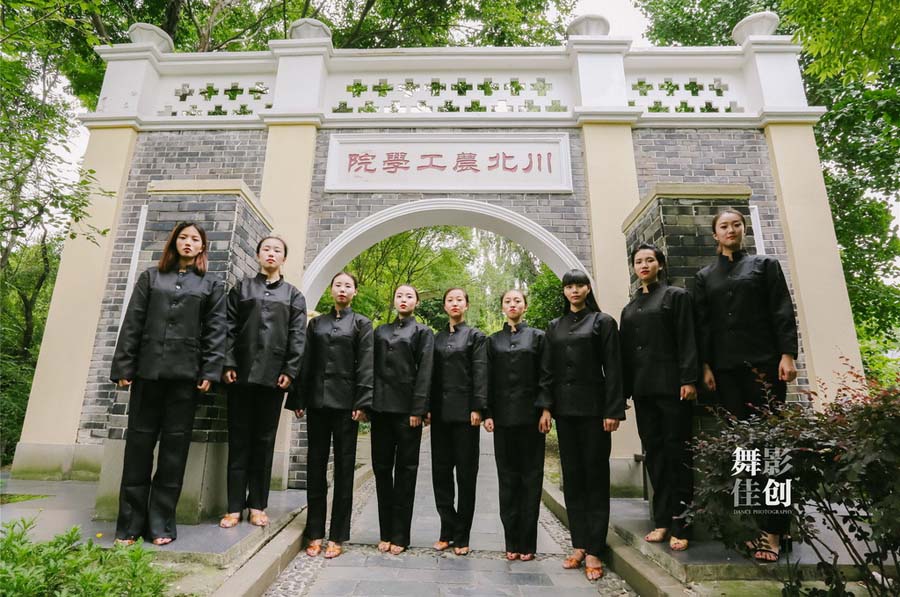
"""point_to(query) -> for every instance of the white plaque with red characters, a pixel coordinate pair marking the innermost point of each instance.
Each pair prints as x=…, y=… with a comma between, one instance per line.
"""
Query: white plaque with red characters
x=449, y=162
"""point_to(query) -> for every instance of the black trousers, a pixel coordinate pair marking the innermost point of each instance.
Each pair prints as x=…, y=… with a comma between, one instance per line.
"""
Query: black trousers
x=162, y=410
x=519, y=452
x=584, y=450
x=395, y=460
x=455, y=446
x=738, y=388
x=253, y=413
x=665, y=424
x=323, y=425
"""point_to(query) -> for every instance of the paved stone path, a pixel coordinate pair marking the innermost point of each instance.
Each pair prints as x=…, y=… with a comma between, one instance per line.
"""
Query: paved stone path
x=421, y=571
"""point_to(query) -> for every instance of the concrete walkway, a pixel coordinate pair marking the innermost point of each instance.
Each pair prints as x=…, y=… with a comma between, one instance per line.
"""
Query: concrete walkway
x=421, y=571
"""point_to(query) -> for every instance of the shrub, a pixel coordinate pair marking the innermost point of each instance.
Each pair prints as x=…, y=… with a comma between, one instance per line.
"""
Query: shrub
x=67, y=566
x=845, y=459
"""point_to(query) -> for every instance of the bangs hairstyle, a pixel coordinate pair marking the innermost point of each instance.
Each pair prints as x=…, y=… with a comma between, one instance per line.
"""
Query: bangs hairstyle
x=410, y=286
x=170, y=257
x=576, y=276
x=521, y=292
x=272, y=237
x=449, y=290
x=348, y=274
x=657, y=252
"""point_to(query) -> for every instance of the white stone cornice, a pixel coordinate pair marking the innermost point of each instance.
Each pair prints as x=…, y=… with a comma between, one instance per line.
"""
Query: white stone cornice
x=771, y=44
x=808, y=115
x=602, y=45
x=280, y=118
x=606, y=114
x=454, y=120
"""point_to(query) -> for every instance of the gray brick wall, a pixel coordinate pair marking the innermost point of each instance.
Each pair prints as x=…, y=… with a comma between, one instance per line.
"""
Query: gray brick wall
x=163, y=156
x=712, y=156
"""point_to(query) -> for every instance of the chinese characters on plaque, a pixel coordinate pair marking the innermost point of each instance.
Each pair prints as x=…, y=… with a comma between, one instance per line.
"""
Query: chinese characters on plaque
x=469, y=162
x=760, y=481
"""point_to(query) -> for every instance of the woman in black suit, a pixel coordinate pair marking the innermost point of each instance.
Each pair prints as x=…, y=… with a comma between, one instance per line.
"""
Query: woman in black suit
x=514, y=357
x=403, y=362
x=458, y=399
x=266, y=339
x=171, y=345
x=582, y=389
x=748, y=339
x=660, y=369
x=336, y=390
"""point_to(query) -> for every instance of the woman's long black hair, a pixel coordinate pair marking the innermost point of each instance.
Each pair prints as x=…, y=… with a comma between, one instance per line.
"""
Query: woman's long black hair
x=576, y=276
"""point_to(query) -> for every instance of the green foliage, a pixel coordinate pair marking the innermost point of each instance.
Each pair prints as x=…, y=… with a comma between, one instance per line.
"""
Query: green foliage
x=545, y=298
x=845, y=459
x=850, y=40
x=858, y=137
x=67, y=566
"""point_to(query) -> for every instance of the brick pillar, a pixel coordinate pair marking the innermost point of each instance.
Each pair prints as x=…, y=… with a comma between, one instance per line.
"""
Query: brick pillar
x=234, y=222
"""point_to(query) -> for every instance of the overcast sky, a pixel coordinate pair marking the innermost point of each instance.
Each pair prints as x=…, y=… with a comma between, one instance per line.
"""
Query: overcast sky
x=624, y=19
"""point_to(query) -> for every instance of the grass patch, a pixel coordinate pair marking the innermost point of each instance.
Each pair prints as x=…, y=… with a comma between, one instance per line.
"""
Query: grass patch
x=12, y=498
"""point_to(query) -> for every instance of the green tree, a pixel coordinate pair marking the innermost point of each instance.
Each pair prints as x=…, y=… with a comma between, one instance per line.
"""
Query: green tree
x=858, y=138
x=545, y=298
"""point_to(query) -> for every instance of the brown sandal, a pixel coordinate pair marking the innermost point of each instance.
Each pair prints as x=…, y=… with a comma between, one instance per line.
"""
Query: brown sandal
x=526, y=557
x=230, y=520
x=462, y=551
x=511, y=555
x=657, y=535
x=441, y=545
x=160, y=541
x=259, y=519
x=396, y=550
x=384, y=546
x=573, y=562
x=593, y=573
x=676, y=544
x=333, y=550
x=314, y=549
x=124, y=542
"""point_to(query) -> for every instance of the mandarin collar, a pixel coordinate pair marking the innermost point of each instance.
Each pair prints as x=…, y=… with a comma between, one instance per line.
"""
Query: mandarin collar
x=736, y=256
x=344, y=312
x=459, y=326
x=577, y=316
x=405, y=322
x=508, y=328
x=650, y=289
x=262, y=278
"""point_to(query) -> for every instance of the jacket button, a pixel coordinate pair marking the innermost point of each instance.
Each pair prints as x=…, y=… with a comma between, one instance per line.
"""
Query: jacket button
x=512, y=345
x=268, y=293
x=640, y=348
x=178, y=287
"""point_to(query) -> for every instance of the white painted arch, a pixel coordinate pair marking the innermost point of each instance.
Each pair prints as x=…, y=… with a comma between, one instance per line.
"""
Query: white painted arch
x=435, y=212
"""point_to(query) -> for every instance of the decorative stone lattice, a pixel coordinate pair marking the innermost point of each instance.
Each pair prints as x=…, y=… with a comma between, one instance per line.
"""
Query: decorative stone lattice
x=693, y=95
x=213, y=98
x=418, y=95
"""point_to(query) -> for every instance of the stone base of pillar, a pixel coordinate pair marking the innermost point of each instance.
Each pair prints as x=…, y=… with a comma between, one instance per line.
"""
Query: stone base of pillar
x=203, y=494
x=57, y=462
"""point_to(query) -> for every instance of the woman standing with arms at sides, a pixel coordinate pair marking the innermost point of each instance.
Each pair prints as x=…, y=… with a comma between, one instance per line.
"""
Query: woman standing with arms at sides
x=514, y=357
x=266, y=338
x=660, y=369
x=403, y=362
x=336, y=390
x=458, y=399
x=171, y=346
x=747, y=329
x=582, y=389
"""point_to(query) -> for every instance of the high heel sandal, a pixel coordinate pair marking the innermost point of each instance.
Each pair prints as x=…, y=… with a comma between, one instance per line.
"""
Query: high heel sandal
x=230, y=520
x=314, y=549
x=333, y=550
x=259, y=519
x=384, y=546
x=396, y=550
x=573, y=562
x=441, y=545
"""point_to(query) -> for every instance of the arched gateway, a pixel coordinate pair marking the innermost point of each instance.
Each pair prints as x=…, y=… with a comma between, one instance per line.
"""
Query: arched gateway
x=576, y=152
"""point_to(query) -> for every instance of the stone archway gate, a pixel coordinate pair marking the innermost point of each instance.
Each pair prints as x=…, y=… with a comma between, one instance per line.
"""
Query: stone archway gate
x=586, y=147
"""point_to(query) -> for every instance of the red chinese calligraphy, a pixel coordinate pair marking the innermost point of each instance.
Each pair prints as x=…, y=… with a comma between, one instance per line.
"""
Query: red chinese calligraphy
x=540, y=162
x=431, y=165
x=495, y=160
x=361, y=161
x=395, y=161
x=466, y=161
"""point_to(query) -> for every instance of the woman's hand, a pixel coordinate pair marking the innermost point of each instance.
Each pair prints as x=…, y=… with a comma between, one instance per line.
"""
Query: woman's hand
x=415, y=421
x=610, y=425
x=124, y=383
x=204, y=385
x=489, y=425
x=708, y=378
x=284, y=381
x=787, y=370
x=359, y=416
x=546, y=422
x=298, y=412
x=688, y=392
x=230, y=376
x=475, y=418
